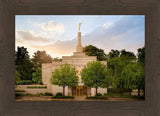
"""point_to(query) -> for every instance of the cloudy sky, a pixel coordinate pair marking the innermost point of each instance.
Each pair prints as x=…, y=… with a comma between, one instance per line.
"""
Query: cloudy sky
x=57, y=34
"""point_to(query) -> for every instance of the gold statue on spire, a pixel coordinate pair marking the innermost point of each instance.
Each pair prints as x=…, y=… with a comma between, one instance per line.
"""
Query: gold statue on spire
x=80, y=26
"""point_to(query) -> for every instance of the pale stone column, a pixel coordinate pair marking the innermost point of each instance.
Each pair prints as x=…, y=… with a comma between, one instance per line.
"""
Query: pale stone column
x=79, y=46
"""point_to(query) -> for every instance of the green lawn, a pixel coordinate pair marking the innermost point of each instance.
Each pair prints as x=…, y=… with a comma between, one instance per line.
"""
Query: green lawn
x=123, y=96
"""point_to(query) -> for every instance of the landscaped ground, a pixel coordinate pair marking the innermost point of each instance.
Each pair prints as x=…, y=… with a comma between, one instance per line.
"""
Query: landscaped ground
x=77, y=98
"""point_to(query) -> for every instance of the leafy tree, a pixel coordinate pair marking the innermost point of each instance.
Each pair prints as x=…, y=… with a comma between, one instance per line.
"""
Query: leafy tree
x=95, y=75
x=37, y=76
x=133, y=76
x=17, y=77
x=128, y=55
x=21, y=54
x=141, y=55
x=113, y=53
x=64, y=76
x=94, y=51
x=40, y=57
x=116, y=63
x=141, y=61
x=23, y=64
x=57, y=59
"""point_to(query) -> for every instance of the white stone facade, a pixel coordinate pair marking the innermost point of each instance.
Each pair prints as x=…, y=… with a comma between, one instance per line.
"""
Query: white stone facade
x=78, y=60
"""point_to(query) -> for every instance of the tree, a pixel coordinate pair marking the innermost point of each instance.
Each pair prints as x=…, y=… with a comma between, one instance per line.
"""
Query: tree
x=40, y=57
x=21, y=54
x=23, y=64
x=57, y=59
x=17, y=77
x=133, y=76
x=95, y=75
x=117, y=62
x=141, y=60
x=64, y=76
x=127, y=54
x=113, y=53
x=37, y=76
x=94, y=51
x=141, y=55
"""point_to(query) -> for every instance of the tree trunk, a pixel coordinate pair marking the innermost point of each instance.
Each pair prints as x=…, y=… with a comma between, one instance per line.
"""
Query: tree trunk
x=96, y=91
x=138, y=92
x=63, y=90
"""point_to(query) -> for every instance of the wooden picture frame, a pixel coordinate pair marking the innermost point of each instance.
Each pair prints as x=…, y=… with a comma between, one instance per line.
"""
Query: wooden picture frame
x=10, y=8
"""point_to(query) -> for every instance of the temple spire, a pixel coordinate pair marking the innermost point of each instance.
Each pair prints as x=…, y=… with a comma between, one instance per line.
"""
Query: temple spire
x=79, y=46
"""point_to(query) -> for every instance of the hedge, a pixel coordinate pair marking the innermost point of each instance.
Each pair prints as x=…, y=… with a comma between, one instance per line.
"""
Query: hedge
x=20, y=94
x=65, y=97
x=48, y=94
x=28, y=94
x=118, y=90
x=58, y=94
x=19, y=90
x=99, y=94
x=96, y=97
x=36, y=87
x=24, y=82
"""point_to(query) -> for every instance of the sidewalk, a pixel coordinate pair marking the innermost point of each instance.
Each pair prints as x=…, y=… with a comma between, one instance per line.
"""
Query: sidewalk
x=77, y=98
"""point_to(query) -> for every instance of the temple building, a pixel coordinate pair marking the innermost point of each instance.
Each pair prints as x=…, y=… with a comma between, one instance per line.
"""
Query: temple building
x=78, y=60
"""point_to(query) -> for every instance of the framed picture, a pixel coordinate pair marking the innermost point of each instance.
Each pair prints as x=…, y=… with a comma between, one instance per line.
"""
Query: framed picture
x=80, y=57
x=11, y=8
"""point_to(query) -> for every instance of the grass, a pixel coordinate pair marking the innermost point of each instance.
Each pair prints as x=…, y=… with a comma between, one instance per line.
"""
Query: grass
x=114, y=95
x=63, y=97
x=97, y=97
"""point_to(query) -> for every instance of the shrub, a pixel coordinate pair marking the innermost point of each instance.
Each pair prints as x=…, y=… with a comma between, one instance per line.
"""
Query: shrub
x=105, y=94
x=59, y=94
x=65, y=97
x=25, y=82
x=99, y=94
x=96, y=97
x=20, y=91
x=41, y=94
x=28, y=94
x=19, y=94
x=41, y=83
x=48, y=94
x=118, y=90
x=34, y=87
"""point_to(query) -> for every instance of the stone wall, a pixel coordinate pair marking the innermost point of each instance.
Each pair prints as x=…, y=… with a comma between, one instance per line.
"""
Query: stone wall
x=56, y=89
x=32, y=90
x=99, y=90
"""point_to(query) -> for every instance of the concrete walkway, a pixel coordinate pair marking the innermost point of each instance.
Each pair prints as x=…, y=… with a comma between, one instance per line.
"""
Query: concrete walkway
x=77, y=98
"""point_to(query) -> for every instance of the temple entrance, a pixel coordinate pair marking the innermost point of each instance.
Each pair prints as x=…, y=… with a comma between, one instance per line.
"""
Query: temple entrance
x=79, y=91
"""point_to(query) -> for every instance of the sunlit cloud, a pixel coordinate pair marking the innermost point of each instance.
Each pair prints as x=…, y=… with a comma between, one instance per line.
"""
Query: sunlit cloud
x=29, y=37
x=53, y=26
x=59, y=48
